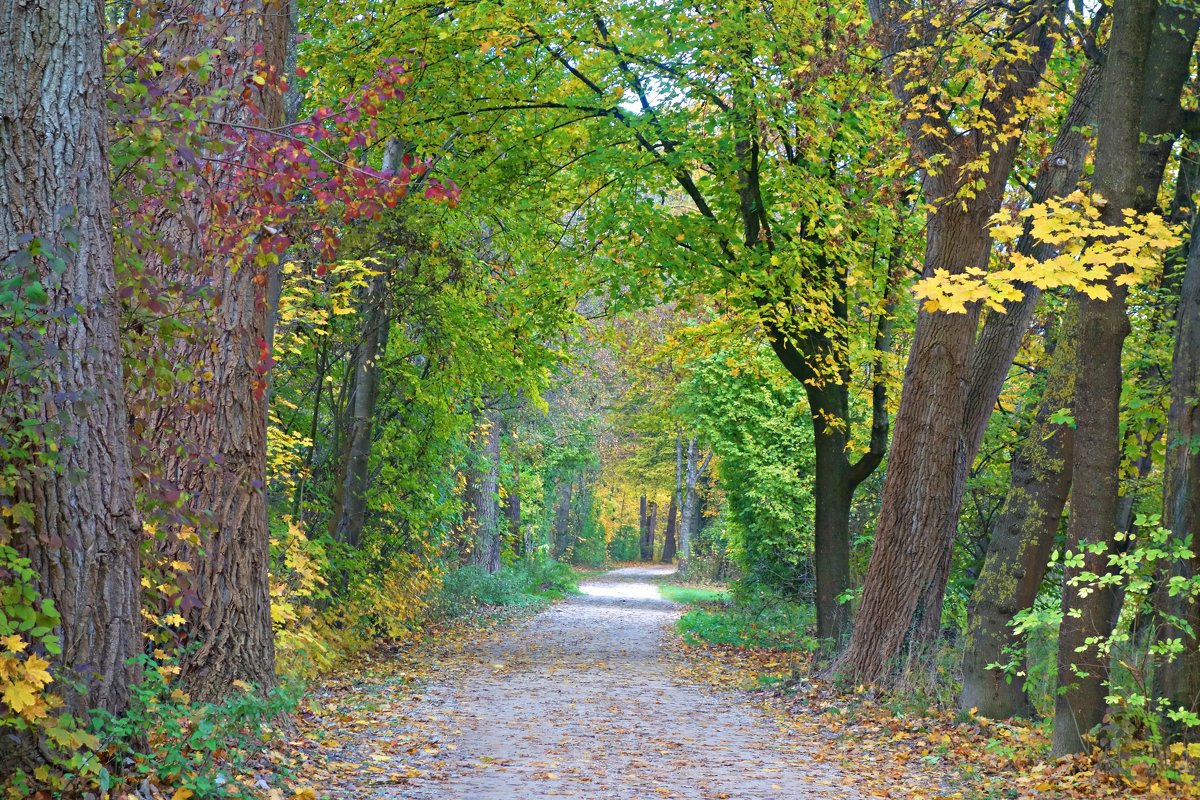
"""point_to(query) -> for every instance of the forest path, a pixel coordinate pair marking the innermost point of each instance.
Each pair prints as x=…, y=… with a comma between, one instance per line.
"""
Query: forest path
x=582, y=700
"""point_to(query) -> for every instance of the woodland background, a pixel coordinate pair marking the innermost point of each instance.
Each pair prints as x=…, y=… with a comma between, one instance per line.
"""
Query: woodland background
x=324, y=322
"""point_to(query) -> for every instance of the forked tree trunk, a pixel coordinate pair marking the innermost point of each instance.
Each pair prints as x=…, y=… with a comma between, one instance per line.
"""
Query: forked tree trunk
x=900, y=614
x=350, y=498
x=210, y=437
x=84, y=534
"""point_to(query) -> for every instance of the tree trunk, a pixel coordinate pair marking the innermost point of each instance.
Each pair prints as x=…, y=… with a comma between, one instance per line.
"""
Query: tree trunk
x=649, y=530
x=1023, y=534
x=350, y=501
x=668, y=550
x=833, y=491
x=1178, y=681
x=562, y=517
x=512, y=500
x=210, y=437
x=84, y=533
x=1148, y=59
x=669, y=540
x=486, y=497
x=1002, y=333
x=835, y=477
x=689, y=517
x=900, y=614
x=1021, y=540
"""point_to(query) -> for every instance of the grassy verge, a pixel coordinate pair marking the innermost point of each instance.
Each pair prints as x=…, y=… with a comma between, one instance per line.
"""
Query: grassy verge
x=693, y=595
x=751, y=619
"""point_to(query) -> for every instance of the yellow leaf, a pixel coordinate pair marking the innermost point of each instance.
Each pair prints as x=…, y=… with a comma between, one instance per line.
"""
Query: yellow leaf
x=36, y=672
x=182, y=794
x=14, y=643
x=20, y=696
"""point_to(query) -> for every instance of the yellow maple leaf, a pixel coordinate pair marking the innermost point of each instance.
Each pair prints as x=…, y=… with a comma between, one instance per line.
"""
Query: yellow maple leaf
x=36, y=671
x=20, y=696
x=14, y=643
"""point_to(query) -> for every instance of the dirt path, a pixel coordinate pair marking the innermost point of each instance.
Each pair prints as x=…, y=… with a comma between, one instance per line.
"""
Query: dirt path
x=582, y=701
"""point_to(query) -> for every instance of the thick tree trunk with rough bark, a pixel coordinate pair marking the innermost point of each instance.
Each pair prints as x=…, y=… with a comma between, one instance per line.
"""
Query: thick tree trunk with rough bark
x=1149, y=54
x=900, y=614
x=1002, y=333
x=84, y=534
x=1020, y=541
x=210, y=437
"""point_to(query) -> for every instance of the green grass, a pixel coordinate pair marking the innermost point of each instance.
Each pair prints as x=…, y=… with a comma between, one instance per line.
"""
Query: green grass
x=690, y=595
x=757, y=620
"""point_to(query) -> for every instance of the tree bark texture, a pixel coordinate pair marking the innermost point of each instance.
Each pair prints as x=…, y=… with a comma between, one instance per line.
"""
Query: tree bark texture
x=210, y=437
x=1020, y=541
x=1178, y=681
x=1148, y=59
x=900, y=613
x=1147, y=65
x=85, y=532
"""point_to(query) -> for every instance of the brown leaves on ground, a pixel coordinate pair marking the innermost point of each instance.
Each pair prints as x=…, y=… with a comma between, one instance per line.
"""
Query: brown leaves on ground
x=894, y=754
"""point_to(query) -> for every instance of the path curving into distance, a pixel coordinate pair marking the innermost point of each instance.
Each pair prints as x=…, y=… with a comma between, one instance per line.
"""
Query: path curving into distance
x=582, y=701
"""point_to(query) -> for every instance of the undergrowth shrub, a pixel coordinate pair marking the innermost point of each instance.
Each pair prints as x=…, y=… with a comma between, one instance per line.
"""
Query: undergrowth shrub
x=329, y=602
x=625, y=544
x=205, y=748
x=753, y=617
x=522, y=583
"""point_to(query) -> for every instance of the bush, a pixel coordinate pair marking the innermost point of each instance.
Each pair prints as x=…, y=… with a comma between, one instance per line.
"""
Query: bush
x=528, y=582
x=754, y=617
x=626, y=545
